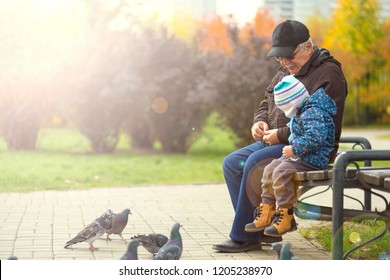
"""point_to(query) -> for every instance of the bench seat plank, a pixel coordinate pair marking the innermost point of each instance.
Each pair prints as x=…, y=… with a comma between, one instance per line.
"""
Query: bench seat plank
x=387, y=183
x=317, y=175
x=320, y=175
x=374, y=177
x=371, y=175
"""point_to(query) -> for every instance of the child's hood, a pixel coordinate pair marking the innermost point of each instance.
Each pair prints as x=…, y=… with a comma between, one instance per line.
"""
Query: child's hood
x=321, y=100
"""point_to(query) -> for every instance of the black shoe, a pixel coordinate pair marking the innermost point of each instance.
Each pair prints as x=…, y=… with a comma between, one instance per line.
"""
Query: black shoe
x=232, y=246
x=270, y=239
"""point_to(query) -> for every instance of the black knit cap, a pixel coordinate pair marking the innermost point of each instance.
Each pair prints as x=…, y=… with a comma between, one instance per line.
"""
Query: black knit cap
x=287, y=36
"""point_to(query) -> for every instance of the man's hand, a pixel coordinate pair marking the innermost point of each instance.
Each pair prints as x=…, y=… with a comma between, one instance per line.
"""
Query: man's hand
x=288, y=152
x=271, y=137
x=258, y=130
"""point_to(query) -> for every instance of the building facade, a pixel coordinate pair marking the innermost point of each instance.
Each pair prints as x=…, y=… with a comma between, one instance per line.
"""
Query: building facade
x=200, y=9
x=303, y=9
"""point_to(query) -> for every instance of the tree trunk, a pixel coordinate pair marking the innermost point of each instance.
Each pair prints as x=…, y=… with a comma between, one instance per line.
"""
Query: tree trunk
x=22, y=130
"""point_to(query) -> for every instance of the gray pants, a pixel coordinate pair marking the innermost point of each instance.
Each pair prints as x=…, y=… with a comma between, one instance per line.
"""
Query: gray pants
x=277, y=184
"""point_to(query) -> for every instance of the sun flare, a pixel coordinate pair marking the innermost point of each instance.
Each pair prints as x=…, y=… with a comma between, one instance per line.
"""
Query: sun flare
x=39, y=37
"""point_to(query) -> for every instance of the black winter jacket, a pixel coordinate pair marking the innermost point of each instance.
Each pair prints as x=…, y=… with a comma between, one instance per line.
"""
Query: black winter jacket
x=322, y=70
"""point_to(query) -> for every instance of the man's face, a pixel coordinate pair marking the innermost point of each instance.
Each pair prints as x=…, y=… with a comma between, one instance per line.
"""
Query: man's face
x=297, y=59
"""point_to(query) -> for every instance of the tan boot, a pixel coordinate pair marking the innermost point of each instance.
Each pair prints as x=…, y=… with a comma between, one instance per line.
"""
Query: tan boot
x=263, y=219
x=284, y=222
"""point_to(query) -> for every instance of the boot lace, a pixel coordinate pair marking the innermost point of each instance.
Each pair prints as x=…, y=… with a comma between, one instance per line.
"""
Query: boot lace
x=257, y=212
x=278, y=218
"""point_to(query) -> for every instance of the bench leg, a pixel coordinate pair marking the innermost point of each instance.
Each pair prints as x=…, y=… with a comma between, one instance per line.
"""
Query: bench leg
x=337, y=212
x=367, y=200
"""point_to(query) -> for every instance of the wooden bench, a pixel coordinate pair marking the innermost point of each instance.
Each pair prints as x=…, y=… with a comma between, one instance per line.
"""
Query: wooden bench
x=341, y=175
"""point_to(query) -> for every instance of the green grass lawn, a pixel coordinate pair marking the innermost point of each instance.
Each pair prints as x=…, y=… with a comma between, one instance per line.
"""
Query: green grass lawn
x=355, y=233
x=63, y=160
x=387, y=136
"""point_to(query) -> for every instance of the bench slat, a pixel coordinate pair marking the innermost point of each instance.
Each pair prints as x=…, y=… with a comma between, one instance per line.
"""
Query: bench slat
x=365, y=173
x=386, y=184
x=320, y=175
x=374, y=177
x=317, y=175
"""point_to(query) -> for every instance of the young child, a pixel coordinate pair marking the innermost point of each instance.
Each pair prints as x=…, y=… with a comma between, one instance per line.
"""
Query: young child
x=310, y=143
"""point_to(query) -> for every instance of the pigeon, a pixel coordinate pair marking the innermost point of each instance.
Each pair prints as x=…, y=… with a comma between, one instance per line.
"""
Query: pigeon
x=173, y=248
x=384, y=256
x=108, y=218
x=119, y=222
x=152, y=242
x=284, y=251
x=132, y=250
x=277, y=247
x=91, y=232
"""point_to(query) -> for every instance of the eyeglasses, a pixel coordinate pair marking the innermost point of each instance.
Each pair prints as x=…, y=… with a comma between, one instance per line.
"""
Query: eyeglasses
x=291, y=57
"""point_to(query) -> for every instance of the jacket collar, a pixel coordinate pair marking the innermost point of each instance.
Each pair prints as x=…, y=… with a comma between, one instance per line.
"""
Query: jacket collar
x=318, y=57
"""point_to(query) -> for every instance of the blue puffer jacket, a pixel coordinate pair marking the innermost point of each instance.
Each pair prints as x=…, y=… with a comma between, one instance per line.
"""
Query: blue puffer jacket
x=313, y=130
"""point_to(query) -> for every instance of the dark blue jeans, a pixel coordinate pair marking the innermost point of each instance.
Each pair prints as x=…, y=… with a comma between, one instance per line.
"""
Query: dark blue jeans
x=243, y=170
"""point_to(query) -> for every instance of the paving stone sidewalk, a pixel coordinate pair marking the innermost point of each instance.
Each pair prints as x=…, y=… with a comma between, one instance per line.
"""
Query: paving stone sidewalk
x=36, y=225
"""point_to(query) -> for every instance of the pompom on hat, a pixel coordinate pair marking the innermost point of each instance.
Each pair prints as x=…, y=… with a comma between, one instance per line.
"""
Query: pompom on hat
x=289, y=95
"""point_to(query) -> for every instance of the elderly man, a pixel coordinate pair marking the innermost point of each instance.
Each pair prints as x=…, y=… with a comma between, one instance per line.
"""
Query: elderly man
x=293, y=48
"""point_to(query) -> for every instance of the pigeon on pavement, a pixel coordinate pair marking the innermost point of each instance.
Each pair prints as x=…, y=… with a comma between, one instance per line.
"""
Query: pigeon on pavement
x=284, y=251
x=132, y=250
x=277, y=247
x=91, y=232
x=173, y=249
x=152, y=242
x=119, y=222
x=109, y=218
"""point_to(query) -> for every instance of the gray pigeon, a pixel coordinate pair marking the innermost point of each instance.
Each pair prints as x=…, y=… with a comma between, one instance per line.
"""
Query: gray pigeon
x=173, y=248
x=285, y=252
x=277, y=247
x=152, y=242
x=132, y=250
x=109, y=218
x=119, y=222
x=91, y=232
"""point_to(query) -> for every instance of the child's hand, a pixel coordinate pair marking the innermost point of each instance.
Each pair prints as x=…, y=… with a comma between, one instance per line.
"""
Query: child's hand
x=288, y=152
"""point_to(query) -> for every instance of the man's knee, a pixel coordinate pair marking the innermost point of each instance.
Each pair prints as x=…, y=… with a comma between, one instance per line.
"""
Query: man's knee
x=231, y=163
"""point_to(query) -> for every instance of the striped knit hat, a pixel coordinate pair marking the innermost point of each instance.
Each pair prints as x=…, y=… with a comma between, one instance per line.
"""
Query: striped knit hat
x=289, y=95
